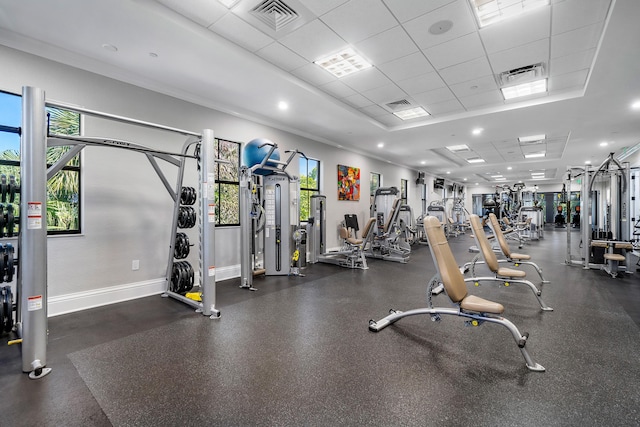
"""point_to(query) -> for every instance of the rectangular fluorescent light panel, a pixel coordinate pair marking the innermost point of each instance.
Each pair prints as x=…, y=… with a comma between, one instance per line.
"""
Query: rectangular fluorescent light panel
x=524, y=89
x=475, y=160
x=343, y=63
x=501, y=179
x=492, y=11
x=496, y=176
x=532, y=138
x=458, y=148
x=411, y=113
x=533, y=155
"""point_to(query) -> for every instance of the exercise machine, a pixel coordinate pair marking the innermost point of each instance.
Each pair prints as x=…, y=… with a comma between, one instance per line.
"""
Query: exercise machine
x=269, y=213
x=382, y=240
x=475, y=310
x=605, y=220
x=350, y=254
x=31, y=313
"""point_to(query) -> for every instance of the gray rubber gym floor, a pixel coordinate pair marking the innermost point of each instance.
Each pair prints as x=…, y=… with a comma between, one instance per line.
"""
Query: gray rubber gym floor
x=298, y=352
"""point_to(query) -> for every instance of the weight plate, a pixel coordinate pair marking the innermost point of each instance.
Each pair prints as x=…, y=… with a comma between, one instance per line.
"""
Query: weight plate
x=8, y=309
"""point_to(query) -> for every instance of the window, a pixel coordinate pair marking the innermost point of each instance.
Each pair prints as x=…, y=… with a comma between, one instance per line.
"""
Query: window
x=63, y=189
x=403, y=191
x=309, y=185
x=227, y=183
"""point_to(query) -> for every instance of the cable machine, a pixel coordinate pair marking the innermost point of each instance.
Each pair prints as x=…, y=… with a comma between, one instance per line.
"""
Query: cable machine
x=269, y=213
x=604, y=220
x=31, y=316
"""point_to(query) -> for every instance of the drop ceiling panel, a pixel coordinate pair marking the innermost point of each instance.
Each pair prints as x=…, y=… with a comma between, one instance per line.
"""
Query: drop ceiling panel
x=531, y=53
x=238, y=31
x=313, y=74
x=474, y=87
x=570, y=63
x=202, y=13
x=374, y=111
x=575, y=80
x=450, y=107
x=434, y=96
x=386, y=46
x=372, y=18
x=574, y=41
x=457, y=12
x=282, y=57
x=482, y=99
x=572, y=14
x=423, y=83
x=384, y=94
x=338, y=89
x=357, y=101
x=466, y=71
x=364, y=80
x=322, y=7
x=457, y=51
x=517, y=31
x=313, y=41
x=406, y=67
x=405, y=10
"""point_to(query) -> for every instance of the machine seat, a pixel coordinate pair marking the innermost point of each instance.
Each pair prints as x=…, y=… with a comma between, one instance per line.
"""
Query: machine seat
x=480, y=305
x=509, y=272
x=519, y=257
x=614, y=257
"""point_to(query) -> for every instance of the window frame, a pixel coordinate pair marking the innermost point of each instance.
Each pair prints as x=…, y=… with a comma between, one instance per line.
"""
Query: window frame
x=309, y=191
x=76, y=169
x=226, y=182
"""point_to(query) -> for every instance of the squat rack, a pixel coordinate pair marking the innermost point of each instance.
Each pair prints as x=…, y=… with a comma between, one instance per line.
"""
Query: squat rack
x=31, y=315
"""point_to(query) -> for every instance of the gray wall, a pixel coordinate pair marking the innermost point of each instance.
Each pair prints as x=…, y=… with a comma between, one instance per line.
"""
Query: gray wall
x=126, y=210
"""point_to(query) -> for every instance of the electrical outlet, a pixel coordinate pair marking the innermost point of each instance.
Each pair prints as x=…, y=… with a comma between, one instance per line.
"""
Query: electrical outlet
x=135, y=264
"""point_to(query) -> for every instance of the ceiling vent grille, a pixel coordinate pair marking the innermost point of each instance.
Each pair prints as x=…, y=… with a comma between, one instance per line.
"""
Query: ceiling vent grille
x=276, y=14
x=399, y=105
x=521, y=75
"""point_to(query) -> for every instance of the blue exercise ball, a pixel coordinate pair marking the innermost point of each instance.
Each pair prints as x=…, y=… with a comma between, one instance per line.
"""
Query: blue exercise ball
x=253, y=154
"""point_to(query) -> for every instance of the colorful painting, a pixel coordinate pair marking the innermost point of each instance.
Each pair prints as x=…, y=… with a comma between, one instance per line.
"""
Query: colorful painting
x=348, y=183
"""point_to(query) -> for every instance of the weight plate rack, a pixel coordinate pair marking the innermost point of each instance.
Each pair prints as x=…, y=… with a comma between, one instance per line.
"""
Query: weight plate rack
x=182, y=273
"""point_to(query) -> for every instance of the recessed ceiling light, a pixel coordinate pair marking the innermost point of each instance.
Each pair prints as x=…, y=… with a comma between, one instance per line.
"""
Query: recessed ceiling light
x=524, y=89
x=343, y=63
x=380, y=144
x=282, y=105
x=509, y=168
x=501, y=179
x=464, y=179
x=492, y=11
x=411, y=113
x=636, y=105
x=587, y=162
x=448, y=172
x=477, y=131
x=534, y=174
x=604, y=144
x=423, y=162
x=458, y=148
x=476, y=183
x=475, y=160
x=532, y=138
x=534, y=155
x=496, y=176
x=110, y=47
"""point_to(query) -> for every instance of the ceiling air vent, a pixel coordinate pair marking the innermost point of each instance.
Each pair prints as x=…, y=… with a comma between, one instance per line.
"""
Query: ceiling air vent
x=521, y=75
x=399, y=105
x=276, y=14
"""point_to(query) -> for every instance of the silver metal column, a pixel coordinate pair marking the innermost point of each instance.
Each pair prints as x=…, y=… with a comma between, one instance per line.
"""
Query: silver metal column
x=208, y=222
x=246, y=237
x=586, y=215
x=32, y=244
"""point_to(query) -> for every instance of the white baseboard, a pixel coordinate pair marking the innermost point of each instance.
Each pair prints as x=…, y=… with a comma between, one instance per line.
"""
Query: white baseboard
x=77, y=301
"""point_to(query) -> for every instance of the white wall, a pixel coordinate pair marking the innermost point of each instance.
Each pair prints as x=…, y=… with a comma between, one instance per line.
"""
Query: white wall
x=126, y=210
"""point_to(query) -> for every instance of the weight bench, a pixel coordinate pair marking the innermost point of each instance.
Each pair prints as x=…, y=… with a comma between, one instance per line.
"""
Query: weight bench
x=507, y=276
x=477, y=310
x=512, y=257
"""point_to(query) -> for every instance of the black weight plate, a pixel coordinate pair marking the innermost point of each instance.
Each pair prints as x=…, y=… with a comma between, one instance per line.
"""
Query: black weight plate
x=2, y=315
x=3, y=187
x=10, y=221
x=9, y=267
x=8, y=309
